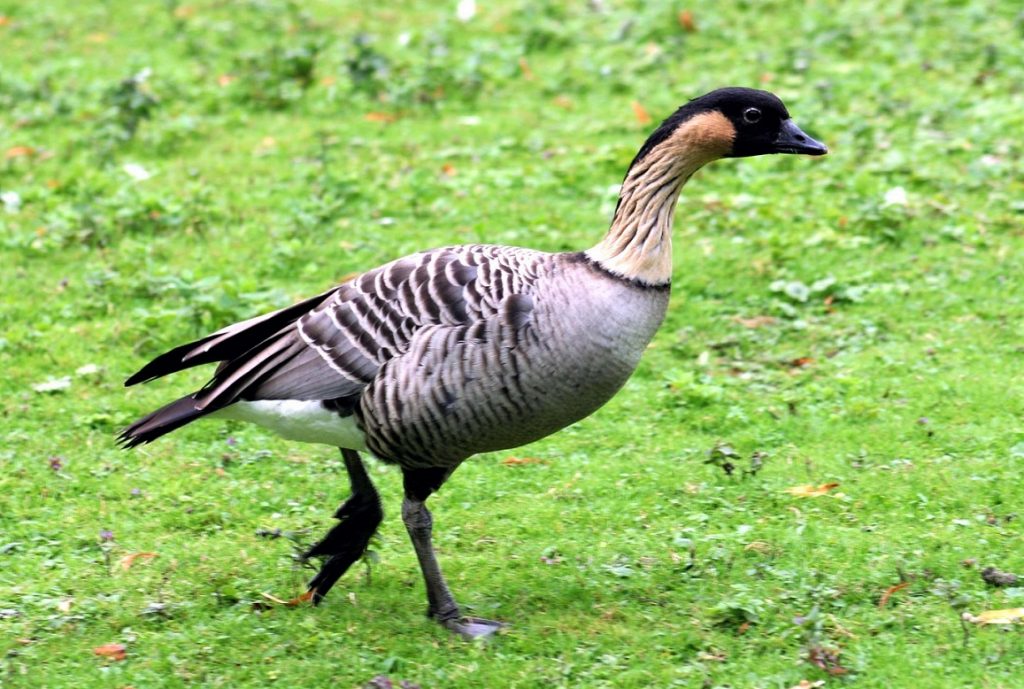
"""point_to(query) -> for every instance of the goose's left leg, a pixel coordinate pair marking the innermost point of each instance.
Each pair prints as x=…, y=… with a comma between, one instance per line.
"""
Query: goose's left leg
x=419, y=484
x=359, y=517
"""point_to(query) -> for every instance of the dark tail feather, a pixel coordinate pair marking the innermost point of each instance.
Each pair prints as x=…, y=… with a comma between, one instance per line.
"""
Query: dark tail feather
x=227, y=343
x=176, y=360
x=163, y=420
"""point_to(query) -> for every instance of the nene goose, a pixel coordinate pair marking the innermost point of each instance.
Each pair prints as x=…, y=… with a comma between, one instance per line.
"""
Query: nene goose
x=443, y=354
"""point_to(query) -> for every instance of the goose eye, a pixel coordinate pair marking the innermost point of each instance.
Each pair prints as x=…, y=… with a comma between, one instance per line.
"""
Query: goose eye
x=751, y=115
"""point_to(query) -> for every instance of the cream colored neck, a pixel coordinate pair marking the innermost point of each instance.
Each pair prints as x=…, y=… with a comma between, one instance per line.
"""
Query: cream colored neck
x=639, y=243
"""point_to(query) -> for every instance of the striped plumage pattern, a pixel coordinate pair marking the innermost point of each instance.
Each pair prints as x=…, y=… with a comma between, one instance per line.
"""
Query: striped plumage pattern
x=441, y=354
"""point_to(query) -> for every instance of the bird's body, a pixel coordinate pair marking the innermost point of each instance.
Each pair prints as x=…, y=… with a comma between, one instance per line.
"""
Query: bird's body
x=447, y=353
x=497, y=347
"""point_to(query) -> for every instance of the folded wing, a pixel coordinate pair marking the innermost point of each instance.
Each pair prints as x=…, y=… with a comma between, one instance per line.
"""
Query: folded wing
x=331, y=346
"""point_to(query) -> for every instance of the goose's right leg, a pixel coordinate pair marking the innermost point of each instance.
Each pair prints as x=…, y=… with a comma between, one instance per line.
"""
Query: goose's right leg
x=359, y=517
x=419, y=484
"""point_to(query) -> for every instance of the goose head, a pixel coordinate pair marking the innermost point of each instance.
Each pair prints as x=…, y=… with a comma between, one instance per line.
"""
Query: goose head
x=761, y=122
x=731, y=122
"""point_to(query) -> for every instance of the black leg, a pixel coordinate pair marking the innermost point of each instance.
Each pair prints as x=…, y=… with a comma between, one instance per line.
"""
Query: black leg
x=441, y=605
x=343, y=545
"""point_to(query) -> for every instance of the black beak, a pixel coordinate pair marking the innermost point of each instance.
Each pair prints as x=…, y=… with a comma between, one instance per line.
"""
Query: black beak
x=792, y=140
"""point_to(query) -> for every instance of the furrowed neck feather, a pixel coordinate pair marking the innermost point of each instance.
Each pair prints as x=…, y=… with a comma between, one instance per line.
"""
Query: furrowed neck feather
x=638, y=244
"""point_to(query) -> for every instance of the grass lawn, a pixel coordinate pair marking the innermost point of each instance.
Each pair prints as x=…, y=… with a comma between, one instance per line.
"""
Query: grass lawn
x=168, y=168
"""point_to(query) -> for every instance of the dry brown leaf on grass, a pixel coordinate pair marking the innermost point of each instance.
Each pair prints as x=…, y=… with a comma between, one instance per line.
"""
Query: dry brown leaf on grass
x=519, y=461
x=1005, y=616
x=827, y=659
x=266, y=146
x=891, y=590
x=18, y=152
x=302, y=598
x=686, y=21
x=379, y=117
x=524, y=67
x=128, y=560
x=810, y=490
x=274, y=599
x=111, y=651
x=754, y=321
x=640, y=113
x=563, y=102
x=298, y=600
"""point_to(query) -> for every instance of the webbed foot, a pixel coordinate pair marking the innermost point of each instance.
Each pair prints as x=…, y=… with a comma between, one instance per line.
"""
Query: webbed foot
x=470, y=628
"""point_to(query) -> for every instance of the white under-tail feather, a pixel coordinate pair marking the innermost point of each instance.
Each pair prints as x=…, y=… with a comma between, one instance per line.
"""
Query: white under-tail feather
x=306, y=421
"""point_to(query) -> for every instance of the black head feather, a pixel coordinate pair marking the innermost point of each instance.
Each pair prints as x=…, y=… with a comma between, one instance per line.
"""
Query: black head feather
x=759, y=118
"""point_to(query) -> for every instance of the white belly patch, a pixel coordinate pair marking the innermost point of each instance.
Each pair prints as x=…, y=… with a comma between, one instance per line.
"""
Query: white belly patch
x=303, y=420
